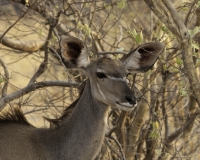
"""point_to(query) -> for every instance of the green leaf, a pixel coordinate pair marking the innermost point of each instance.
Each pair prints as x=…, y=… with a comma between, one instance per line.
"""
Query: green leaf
x=158, y=152
x=185, y=8
x=198, y=62
x=183, y=91
x=85, y=28
x=194, y=31
x=195, y=45
x=2, y=80
x=164, y=67
x=137, y=37
x=191, y=33
x=132, y=33
x=141, y=36
x=164, y=28
x=112, y=16
x=179, y=61
x=39, y=31
x=155, y=130
x=122, y=4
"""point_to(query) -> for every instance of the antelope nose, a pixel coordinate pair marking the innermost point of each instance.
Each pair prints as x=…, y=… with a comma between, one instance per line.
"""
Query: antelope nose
x=131, y=99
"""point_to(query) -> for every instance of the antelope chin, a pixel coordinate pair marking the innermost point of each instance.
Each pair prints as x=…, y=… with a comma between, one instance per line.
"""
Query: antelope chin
x=125, y=106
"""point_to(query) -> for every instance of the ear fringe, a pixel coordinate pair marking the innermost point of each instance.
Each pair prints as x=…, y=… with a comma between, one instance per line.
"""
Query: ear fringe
x=143, y=58
x=74, y=52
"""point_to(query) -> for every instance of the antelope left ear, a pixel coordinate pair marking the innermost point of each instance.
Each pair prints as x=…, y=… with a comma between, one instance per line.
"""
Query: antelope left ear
x=74, y=52
x=142, y=58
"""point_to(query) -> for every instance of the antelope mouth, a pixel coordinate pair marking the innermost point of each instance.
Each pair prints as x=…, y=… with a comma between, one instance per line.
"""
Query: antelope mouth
x=127, y=105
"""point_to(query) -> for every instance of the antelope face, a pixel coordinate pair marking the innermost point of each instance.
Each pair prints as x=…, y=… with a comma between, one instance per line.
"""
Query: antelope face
x=108, y=82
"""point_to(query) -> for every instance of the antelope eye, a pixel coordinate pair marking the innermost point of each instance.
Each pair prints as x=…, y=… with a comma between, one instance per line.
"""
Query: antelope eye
x=101, y=75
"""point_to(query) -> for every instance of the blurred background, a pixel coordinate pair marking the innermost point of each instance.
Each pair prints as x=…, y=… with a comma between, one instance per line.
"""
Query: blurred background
x=165, y=124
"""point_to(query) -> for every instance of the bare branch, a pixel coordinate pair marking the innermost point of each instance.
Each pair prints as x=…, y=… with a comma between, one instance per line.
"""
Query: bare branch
x=32, y=87
x=189, y=12
x=9, y=28
x=114, y=150
x=43, y=65
x=177, y=19
x=45, y=8
x=5, y=87
x=119, y=145
x=162, y=17
x=28, y=46
x=183, y=130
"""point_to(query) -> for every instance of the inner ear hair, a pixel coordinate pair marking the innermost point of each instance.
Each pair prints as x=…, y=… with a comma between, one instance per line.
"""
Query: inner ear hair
x=71, y=48
x=74, y=52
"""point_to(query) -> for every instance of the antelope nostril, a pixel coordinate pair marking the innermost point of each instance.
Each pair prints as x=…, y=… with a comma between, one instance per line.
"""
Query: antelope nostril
x=131, y=99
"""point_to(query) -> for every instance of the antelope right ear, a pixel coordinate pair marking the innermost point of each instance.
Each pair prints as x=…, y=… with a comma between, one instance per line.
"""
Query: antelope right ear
x=142, y=58
x=74, y=52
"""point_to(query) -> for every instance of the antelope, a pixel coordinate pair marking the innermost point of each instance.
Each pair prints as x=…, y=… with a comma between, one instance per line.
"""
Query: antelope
x=80, y=136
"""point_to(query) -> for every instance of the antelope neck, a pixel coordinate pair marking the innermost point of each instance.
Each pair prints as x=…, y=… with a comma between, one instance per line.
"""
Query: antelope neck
x=86, y=124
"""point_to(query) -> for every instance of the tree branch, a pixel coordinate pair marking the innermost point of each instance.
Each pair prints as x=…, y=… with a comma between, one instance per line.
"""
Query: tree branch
x=182, y=130
x=189, y=12
x=177, y=20
x=43, y=65
x=32, y=87
x=28, y=46
x=46, y=8
x=5, y=87
x=9, y=28
x=162, y=17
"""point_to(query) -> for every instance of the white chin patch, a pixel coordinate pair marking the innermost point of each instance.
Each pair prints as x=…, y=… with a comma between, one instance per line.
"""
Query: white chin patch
x=125, y=106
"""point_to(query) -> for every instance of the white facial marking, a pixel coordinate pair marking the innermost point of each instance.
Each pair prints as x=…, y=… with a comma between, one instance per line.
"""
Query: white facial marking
x=112, y=78
x=126, y=104
x=133, y=61
x=125, y=108
x=101, y=92
x=83, y=59
x=116, y=79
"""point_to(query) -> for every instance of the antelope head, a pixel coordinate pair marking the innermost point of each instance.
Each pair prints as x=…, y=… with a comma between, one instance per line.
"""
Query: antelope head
x=108, y=76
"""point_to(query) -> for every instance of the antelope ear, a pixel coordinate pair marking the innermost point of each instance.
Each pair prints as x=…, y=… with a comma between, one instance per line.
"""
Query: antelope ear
x=142, y=58
x=74, y=52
